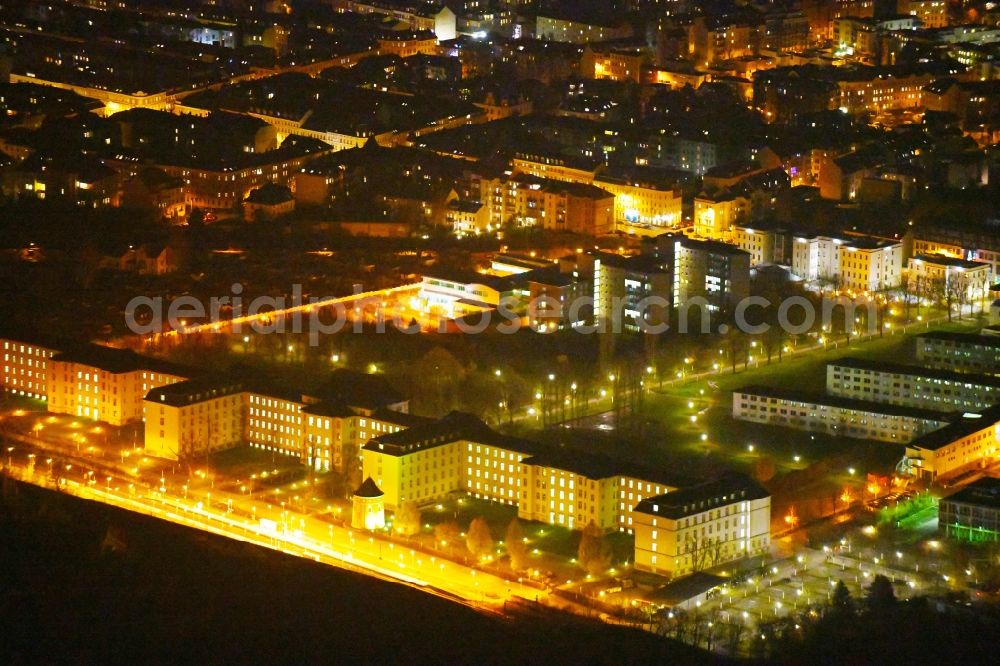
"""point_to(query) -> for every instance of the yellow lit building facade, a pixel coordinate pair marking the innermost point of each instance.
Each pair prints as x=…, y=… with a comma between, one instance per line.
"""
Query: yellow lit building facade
x=104, y=383
x=25, y=368
x=194, y=418
x=702, y=526
x=968, y=443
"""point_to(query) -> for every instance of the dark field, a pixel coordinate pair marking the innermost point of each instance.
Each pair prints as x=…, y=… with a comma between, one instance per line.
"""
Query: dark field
x=173, y=595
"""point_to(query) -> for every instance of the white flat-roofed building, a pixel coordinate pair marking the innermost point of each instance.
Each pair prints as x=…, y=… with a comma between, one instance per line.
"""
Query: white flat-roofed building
x=964, y=352
x=910, y=385
x=841, y=417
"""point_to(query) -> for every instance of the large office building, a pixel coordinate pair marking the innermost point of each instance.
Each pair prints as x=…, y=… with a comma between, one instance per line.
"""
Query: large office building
x=910, y=385
x=967, y=443
x=459, y=453
x=702, y=526
x=963, y=352
x=840, y=417
x=973, y=513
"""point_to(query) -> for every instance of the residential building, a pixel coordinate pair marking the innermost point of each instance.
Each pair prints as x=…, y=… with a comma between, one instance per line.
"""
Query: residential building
x=910, y=385
x=963, y=352
x=716, y=215
x=702, y=526
x=570, y=490
x=839, y=417
x=717, y=272
x=631, y=290
x=854, y=263
x=957, y=282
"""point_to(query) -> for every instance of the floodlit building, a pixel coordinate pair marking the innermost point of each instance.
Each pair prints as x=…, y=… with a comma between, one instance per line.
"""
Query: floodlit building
x=702, y=526
x=968, y=443
x=840, y=417
x=274, y=422
x=964, y=352
x=194, y=418
x=910, y=385
x=855, y=263
x=570, y=490
x=25, y=368
x=367, y=507
x=956, y=281
x=105, y=383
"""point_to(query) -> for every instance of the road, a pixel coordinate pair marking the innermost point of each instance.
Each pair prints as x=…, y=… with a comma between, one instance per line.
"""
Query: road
x=244, y=519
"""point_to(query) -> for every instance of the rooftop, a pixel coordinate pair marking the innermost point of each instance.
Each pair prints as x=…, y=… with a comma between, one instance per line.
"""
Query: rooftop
x=194, y=391
x=967, y=378
x=968, y=424
x=117, y=361
x=983, y=492
x=703, y=497
x=845, y=403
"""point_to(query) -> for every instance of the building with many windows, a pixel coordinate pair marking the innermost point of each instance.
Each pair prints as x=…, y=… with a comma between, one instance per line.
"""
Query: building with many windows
x=194, y=418
x=910, y=385
x=973, y=513
x=840, y=417
x=855, y=263
x=702, y=526
x=964, y=352
x=105, y=383
x=968, y=443
x=717, y=272
x=631, y=290
x=25, y=367
x=958, y=282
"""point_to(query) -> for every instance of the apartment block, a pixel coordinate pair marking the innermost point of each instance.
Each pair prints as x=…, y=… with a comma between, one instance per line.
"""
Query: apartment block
x=911, y=386
x=839, y=417
x=963, y=352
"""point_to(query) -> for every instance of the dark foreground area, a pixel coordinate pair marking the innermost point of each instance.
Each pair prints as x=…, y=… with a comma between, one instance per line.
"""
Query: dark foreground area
x=83, y=582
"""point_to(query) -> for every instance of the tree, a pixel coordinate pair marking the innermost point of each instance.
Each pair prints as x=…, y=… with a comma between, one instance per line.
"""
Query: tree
x=881, y=597
x=764, y=469
x=447, y=534
x=478, y=539
x=517, y=551
x=841, y=603
x=407, y=519
x=593, y=554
